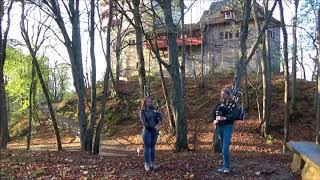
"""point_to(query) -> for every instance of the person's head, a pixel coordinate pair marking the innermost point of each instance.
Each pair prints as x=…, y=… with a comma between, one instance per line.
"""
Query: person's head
x=146, y=102
x=225, y=94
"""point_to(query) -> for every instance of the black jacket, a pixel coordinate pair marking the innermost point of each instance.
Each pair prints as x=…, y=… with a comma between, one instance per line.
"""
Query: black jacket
x=229, y=110
x=147, y=118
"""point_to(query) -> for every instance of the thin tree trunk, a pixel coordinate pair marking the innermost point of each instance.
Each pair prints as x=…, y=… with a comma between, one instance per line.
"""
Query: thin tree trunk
x=293, y=108
x=302, y=65
x=118, y=50
x=183, y=50
x=33, y=52
x=96, y=146
x=318, y=83
x=266, y=73
x=286, y=78
x=202, y=60
x=73, y=45
x=89, y=134
x=47, y=96
x=32, y=84
x=240, y=66
x=167, y=99
x=139, y=47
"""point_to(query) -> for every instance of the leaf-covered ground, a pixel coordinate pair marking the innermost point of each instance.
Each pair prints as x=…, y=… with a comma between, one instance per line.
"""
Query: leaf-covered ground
x=252, y=156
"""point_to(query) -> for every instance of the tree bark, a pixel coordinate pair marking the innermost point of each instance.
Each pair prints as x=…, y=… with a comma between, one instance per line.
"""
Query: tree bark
x=286, y=78
x=73, y=46
x=96, y=146
x=183, y=50
x=302, y=64
x=318, y=83
x=32, y=84
x=240, y=66
x=118, y=50
x=167, y=99
x=266, y=73
x=293, y=107
x=202, y=60
x=4, y=131
x=173, y=68
x=33, y=53
x=89, y=134
x=139, y=47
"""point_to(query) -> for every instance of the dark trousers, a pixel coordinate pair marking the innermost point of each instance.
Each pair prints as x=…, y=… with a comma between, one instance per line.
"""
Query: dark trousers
x=149, y=141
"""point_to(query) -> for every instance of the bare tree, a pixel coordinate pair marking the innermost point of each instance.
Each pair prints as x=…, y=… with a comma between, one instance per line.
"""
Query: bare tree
x=155, y=50
x=101, y=122
x=294, y=61
x=4, y=8
x=72, y=42
x=301, y=62
x=266, y=72
x=32, y=87
x=318, y=103
x=90, y=131
x=173, y=69
x=240, y=66
x=286, y=77
x=183, y=49
x=33, y=47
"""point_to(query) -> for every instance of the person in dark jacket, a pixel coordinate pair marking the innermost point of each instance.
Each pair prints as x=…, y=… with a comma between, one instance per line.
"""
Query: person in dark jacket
x=151, y=121
x=225, y=113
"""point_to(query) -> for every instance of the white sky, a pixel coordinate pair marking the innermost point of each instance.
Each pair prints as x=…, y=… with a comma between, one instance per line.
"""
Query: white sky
x=197, y=10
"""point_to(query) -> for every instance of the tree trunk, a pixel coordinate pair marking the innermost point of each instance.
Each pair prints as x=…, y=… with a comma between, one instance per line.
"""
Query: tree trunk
x=3, y=112
x=96, y=146
x=202, y=61
x=118, y=50
x=33, y=52
x=139, y=47
x=293, y=108
x=247, y=100
x=155, y=50
x=302, y=65
x=286, y=78
x=89, y=134
x=167, y=99
x=47, y=96
x=73, y=46
x=240, y=66
x=4, y=131
x=318, y=83
x=177, y=99
x=32, y=84
x=266, y=73
x=183, y=50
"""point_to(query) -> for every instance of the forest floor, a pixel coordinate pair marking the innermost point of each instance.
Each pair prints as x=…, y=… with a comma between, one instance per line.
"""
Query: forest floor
x=252, y=157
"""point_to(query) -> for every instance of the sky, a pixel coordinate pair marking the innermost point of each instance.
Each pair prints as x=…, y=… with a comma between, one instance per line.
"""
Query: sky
x=192, y=16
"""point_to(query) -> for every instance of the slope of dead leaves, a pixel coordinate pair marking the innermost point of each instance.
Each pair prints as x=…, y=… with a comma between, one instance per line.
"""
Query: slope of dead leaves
x=252, y=157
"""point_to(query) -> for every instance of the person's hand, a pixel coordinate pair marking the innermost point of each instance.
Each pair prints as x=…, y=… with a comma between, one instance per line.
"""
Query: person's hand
x=220, y=118
x=215, y=122
x=157, y=127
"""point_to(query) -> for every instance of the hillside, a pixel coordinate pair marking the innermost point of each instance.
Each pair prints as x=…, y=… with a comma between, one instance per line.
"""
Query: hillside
x=252, y=156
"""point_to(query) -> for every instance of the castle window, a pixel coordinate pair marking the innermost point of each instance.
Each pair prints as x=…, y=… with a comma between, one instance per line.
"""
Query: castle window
x=132, y=42
x=226, y=34
x=229, y=15
x=230, y=35
x=237, y=34
x=221, y=35
x=271, y=34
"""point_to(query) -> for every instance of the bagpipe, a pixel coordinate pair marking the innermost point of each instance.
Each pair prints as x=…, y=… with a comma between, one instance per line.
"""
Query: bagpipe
x=236, y=95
